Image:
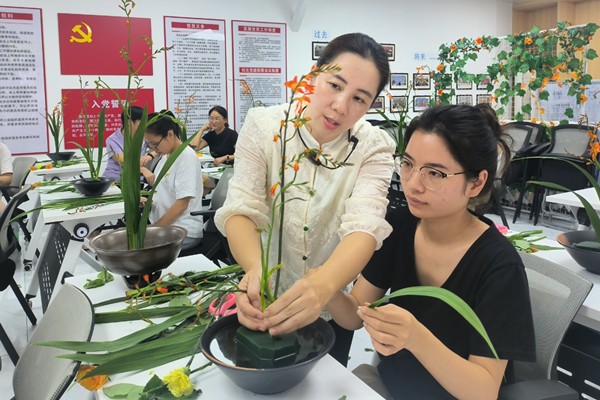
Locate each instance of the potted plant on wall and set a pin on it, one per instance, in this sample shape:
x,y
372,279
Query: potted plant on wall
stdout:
x,y
54,121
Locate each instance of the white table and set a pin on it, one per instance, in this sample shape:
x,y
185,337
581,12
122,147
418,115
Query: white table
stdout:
x,y
61,173
570,200
327,380
79,223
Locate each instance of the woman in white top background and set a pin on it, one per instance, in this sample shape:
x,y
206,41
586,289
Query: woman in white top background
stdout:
x,y
330,236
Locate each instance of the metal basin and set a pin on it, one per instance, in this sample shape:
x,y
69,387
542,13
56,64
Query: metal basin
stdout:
x,y
161,248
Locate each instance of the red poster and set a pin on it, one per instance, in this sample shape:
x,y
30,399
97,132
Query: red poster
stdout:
x,y
92,44
74,122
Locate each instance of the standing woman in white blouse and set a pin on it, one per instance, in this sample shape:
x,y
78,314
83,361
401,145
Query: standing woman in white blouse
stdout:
x,y
330,236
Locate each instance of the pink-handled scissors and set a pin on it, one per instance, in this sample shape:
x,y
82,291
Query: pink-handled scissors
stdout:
x,y
223,306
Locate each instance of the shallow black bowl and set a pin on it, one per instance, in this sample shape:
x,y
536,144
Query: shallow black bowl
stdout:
x,y
88,187
588,259
219,346
61,155
161,247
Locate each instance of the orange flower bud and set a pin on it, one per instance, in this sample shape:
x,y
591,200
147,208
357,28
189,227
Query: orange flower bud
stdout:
x,y
440,67
48,166
528,41
273,189
479,41
296,166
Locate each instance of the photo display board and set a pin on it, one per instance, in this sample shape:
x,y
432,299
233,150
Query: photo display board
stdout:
x,y
195,68
22,81
259,59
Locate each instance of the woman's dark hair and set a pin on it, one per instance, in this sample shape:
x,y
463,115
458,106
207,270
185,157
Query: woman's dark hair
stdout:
x,y
222,111
363,46
136,114
472,135
165,121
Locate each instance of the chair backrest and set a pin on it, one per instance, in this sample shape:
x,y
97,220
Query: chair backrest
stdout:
x,y
7,239
523,134
20,166
220,192
40,374
556,295
569,139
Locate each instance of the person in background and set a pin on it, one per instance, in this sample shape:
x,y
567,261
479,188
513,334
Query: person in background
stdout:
x,y
428,351
180,190
218,136
330,236
115,144
6,169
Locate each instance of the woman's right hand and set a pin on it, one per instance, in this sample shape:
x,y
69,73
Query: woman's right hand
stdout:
x,y
248,303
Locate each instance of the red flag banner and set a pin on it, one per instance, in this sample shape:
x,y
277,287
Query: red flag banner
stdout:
x,y
74,119
92,44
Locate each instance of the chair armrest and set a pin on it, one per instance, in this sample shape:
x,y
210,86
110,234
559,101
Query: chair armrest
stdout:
x,y
540,389
204,213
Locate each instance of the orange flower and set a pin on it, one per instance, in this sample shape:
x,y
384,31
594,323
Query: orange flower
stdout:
x,y
35,184
542,111
32,168
245,86
276,138
440,67
296,166
293,84
528,41
92,383
440,92
555,76
389,96
534,120
583,98
162,290
48,166
273,189
479,41
575,74
453,47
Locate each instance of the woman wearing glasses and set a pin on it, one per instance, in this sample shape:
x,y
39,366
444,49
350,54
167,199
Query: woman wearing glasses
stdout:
x,y
180,190
428,351
218,136
330,236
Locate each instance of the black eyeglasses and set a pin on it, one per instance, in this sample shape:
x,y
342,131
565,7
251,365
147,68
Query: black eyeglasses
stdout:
x,y
155,147
313,155
432,178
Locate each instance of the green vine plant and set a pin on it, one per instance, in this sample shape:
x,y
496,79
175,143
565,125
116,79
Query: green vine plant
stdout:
x,y
554,55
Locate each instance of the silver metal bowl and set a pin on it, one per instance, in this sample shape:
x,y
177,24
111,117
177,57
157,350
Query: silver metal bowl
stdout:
x,y
161,248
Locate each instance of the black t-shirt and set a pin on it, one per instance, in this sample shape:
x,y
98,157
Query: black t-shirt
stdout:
x,y
221,144
490,278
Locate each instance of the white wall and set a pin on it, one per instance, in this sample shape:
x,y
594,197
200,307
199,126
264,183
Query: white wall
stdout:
x,y
414,27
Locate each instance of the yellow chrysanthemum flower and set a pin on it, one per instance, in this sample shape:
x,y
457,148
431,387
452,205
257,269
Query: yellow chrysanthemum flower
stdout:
x,y
178,382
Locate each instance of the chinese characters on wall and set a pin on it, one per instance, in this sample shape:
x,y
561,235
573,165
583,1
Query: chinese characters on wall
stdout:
x,y
196,68
259,58
22,85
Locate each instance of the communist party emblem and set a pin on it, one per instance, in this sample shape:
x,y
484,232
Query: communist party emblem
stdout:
x,y
83,37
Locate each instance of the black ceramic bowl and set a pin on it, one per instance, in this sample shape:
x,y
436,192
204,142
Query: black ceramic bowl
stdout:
x,y
61,155
219,346
92,187
588,259
161,248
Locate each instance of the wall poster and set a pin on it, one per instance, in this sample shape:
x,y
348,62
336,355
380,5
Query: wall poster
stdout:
x,y
22,81
259,59
92,44
195,68
74,122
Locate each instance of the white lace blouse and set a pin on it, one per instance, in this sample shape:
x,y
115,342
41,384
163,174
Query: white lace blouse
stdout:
x,y
346,200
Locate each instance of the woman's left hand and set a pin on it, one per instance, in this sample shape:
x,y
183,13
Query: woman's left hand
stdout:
x,y
300,305
219,160
391,328
144,159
